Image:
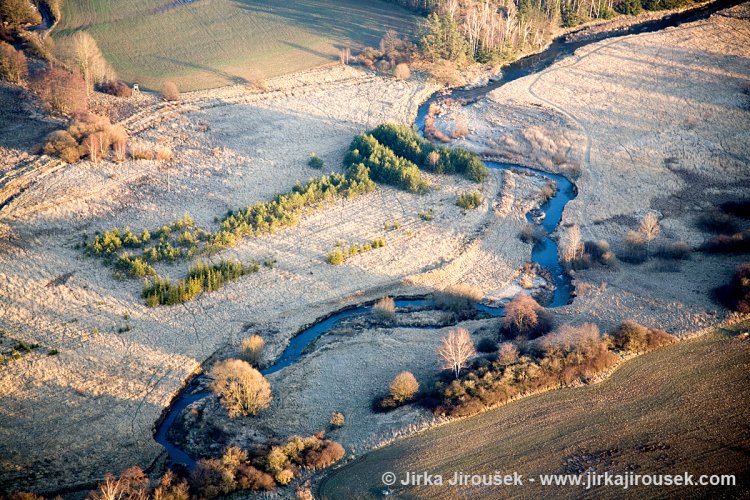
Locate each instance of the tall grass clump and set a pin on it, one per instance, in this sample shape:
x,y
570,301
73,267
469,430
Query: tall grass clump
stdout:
x,y
459,298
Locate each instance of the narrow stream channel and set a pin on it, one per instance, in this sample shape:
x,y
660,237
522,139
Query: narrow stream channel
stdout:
x,y
543,253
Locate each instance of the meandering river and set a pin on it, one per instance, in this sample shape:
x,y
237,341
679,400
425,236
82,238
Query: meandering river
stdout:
x,y
543,253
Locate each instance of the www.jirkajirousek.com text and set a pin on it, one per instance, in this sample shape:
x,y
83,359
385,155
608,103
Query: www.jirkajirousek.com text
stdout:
x,y
589,480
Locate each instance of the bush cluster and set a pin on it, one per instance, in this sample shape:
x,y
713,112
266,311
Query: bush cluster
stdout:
x,y
569,355
116,88
315,162
343,252
88,134
469,201
13,64
632,337
169,243
385,309
60,90
314,452
532,233
385,166
201,277
405,142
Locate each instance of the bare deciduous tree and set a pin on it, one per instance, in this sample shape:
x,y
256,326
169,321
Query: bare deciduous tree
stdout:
x,y
650,228
241,388
571,247
456,350
521,314
81,52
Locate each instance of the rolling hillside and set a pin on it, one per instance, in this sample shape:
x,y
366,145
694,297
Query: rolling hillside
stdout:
x,y
210,43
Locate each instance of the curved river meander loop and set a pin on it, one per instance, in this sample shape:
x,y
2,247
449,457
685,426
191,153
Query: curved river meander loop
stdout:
x,y
543,253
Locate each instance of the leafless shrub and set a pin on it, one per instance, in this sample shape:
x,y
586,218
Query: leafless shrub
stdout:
x,y
119,138
164,154
735,295
729,243
17,13
445,73
141,152
574,352
170,92
60,143
212,479
487,345
507,354
526,281
169,488
403,387
383,66
304,492
385,308
456,350
133,483
634,248
717,221
337,419
324,456
433,159
240,387
401,72
524,317
252,349
115,88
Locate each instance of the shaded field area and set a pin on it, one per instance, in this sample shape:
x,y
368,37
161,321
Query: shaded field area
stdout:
x,y
210,43
679,409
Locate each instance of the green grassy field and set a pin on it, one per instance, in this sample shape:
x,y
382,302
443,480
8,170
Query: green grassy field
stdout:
x,y
209,43
680,409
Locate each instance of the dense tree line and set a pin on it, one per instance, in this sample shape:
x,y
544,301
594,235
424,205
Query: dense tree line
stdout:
x,y
492,30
